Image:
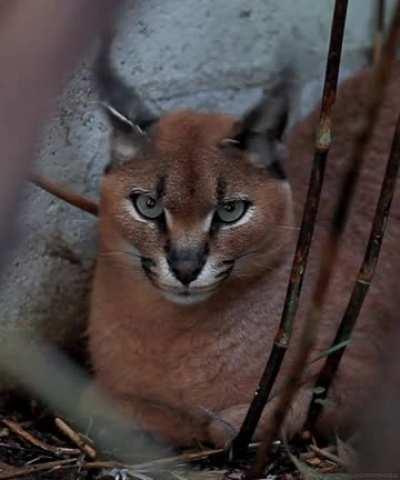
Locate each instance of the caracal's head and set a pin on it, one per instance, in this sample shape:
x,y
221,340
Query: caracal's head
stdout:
x,y
191,201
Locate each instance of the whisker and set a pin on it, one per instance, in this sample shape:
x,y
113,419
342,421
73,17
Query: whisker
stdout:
x,y
123,268
224,273
118,253
244,275
228,262
293,227
284,227
246,254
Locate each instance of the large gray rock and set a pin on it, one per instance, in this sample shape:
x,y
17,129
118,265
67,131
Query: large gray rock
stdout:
x,y
209,54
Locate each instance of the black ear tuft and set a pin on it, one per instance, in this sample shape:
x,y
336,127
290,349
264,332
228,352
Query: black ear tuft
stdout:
x,y
261,129
123,105
128,115
117,120
268,118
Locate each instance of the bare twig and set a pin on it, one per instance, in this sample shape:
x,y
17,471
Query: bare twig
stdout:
x,y
322,147
61,192
184,458
14,472
6,467
364,278
310,455
324,453
76,438
162,462
28,437
19,472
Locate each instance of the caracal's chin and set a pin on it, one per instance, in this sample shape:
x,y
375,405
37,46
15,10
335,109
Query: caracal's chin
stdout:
x,y
187,296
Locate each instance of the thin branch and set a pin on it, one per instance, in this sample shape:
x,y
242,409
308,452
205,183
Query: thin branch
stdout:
x,y
325,454
28,437
76,438
6,467
19,472
364,278
322,146
61,192
153,465
162,462
185,458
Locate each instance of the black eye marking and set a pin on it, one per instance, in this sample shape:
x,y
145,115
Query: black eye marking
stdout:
x,y
167,245
107,168
277,171
161,224
160,187
221,189
224,273
147,265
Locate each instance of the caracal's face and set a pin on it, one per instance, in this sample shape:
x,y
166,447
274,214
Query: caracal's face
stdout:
x,y
191,211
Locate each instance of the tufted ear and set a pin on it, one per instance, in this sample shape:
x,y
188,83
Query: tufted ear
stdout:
x,y
261,129
129,116
127,139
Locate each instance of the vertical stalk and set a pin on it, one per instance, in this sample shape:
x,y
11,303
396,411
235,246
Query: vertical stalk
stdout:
x,y
379,80
363,281
322,146
380,77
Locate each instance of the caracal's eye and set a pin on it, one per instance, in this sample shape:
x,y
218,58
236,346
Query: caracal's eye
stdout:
x,y
147,205
231,212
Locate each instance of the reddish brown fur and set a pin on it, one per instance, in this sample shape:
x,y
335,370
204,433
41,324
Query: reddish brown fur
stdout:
x,y
184,371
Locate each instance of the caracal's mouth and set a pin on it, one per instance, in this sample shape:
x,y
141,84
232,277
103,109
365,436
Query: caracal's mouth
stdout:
x,y
187,296
183,295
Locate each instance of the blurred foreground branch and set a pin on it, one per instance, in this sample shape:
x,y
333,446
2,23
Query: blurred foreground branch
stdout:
x,y
45,372
41,42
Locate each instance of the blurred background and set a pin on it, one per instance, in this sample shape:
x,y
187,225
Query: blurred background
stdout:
x,y
208,54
